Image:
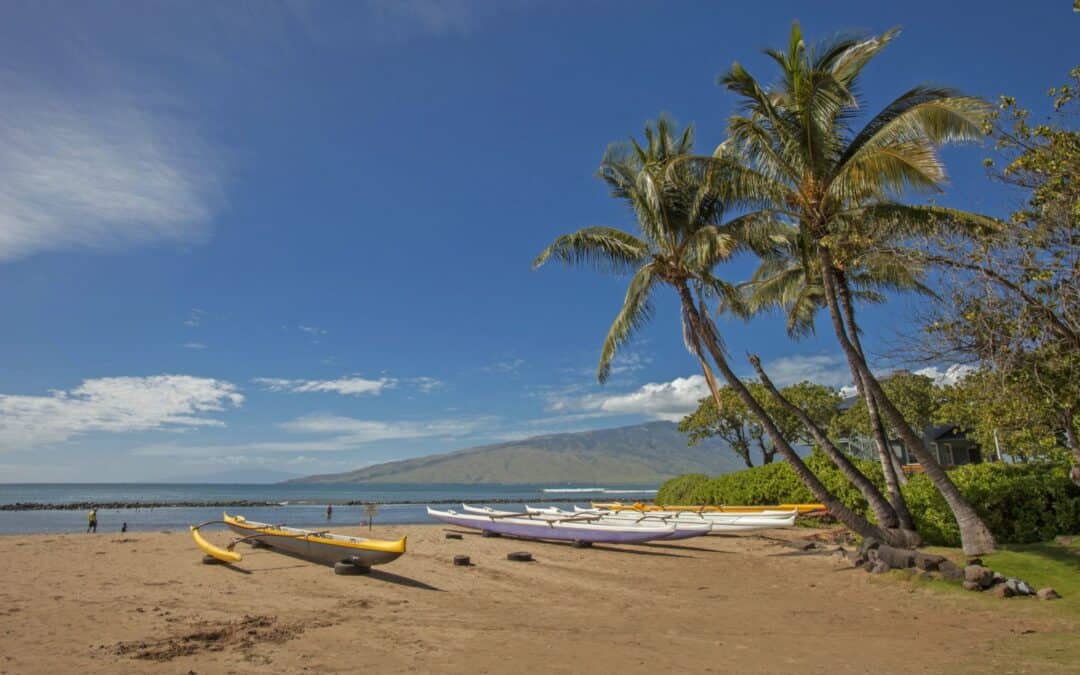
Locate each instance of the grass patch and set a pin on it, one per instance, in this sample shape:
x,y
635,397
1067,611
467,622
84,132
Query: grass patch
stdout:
x,y
1044,564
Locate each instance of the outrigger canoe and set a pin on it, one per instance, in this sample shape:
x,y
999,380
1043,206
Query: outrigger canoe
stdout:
x,y
317,546
718,522
803,509
579,530
684,529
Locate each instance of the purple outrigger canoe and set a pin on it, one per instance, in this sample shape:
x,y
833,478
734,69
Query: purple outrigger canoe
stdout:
x,y
538,527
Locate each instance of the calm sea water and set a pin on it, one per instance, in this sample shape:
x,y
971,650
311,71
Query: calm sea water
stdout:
x,y
303,504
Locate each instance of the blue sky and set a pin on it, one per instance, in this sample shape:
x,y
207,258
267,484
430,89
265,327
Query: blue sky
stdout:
x,y
297,236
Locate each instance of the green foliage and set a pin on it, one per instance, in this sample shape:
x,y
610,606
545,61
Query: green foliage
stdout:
x,y
1020,503
770,484
913,395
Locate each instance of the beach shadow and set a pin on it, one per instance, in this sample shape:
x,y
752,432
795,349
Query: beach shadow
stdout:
x,y
678,547
392,578
233,568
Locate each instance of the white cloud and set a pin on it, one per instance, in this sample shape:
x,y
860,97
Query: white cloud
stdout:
x,y
828,369
357,431
426,384
949,376
114,404
661,400
346,386
194,345
195,318
98,174
314,331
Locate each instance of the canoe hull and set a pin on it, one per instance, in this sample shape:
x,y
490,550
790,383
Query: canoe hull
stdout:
x,y
314,548
541,529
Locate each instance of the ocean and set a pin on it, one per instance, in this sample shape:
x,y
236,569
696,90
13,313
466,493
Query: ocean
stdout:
x,y
298,504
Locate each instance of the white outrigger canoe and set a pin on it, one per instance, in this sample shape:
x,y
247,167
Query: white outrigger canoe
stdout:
x,y
684,529
582,530
719,522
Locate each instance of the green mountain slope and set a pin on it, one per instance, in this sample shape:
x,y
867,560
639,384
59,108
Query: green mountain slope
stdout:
x,y
640,454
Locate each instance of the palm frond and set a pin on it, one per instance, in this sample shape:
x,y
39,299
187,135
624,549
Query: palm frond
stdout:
x,y
635,312
604,248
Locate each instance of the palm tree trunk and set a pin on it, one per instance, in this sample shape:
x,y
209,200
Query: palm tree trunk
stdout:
x,y
1070,440
883,510
893,476
854,521
974,534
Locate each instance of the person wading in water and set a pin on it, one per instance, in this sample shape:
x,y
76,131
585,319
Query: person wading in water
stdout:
x,y
92,525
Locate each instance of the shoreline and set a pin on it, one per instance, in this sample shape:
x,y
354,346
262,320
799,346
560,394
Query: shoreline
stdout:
x,y
247,503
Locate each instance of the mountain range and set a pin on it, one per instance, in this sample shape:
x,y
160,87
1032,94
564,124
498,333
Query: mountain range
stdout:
x,y
640,454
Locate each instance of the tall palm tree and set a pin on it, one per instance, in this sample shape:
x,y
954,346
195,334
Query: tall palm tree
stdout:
x,y
788,278
682,238
793,156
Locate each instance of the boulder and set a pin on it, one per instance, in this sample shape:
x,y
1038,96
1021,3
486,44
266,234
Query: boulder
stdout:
x,y
896,558
998,577
950,571
972,586
927,562
978,574
1048,594
1023,588
1002,591
879,567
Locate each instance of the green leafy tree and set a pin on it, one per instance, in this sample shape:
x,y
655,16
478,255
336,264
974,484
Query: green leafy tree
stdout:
x,y
915,396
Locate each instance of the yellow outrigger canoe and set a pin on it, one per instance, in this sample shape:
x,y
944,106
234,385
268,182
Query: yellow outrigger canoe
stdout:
x,y
803,509
348,555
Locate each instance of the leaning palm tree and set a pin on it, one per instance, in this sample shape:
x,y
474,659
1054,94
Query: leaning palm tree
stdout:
x,y
682,238
788,278
793,156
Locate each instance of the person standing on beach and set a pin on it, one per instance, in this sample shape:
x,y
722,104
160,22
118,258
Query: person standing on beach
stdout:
x,y
92,525
329,511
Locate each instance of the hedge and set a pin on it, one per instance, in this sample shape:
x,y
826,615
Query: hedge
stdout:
x,y
1021,503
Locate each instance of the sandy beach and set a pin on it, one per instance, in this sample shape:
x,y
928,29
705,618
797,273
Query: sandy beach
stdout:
x,y
131,603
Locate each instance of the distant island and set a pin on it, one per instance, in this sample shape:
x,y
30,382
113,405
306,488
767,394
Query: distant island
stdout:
x,y
642,454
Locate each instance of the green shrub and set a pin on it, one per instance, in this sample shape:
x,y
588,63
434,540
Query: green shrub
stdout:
x,y
774,483
1020,503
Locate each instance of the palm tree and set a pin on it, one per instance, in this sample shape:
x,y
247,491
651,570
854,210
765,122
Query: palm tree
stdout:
x,y
682,238
793,157
788,278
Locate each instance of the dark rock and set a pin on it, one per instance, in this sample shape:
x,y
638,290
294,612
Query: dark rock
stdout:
x,y
879,567
927,562
972,586
1048,594
979,575
998,577
519,556
452,535
1002,591
896,558
462,560
950,571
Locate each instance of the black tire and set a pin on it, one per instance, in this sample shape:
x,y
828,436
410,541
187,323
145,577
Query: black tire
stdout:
x,y
520,556
348,569
452,535
489,533
581,544
462,561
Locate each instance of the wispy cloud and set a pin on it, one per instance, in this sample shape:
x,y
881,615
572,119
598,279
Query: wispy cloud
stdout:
x,y
194,345
346,386
505,367
114,404
313,331
99,173
426,385
195,318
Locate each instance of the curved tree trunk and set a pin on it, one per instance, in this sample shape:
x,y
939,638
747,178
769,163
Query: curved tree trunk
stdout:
x,y
854,521
1070,439
974,535
883,510
893,475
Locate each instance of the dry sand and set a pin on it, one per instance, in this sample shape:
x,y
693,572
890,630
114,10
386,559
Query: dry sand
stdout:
x,y
142,602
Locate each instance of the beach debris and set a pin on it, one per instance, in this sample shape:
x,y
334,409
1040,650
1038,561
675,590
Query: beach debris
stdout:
x,y
520,556
1048,594
462,561
453,535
